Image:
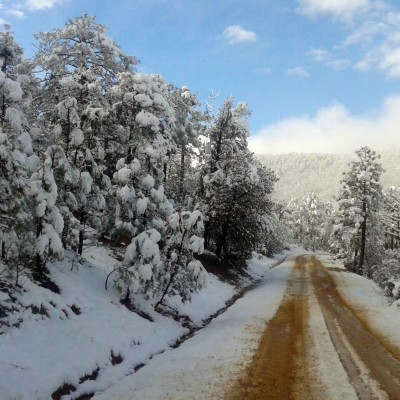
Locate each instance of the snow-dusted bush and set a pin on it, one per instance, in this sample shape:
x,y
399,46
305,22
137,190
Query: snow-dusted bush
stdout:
x,y
387,274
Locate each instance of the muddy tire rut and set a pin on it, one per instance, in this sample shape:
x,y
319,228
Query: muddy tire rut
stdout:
x,y
285,366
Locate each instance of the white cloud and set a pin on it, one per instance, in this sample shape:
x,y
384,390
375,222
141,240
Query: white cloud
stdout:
x,y
325,58
319,55
235,34
337,8
15,13
332,130
42,4
383,39
263,71
298,71
373,33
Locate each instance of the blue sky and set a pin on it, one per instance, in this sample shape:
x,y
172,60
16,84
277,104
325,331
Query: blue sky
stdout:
x,y
318,75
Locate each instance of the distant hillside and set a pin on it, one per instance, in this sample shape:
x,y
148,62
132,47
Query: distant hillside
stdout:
x,y
301,173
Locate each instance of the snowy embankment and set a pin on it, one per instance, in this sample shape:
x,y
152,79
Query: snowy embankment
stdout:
x,y
202,367
84,339
369,301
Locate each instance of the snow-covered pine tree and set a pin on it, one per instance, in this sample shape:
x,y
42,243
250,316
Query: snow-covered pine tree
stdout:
x,y
147,120
142,209
184,274
81,64
391,217
311,221
48,220
181,174
359,201
234,188
16,154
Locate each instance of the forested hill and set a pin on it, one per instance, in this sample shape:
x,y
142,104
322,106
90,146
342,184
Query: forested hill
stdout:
x,y
300,173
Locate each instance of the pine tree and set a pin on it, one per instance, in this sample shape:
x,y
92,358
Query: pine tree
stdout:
x,y
234,188
184,274
189,126
16,153
359,202
147,121
81,65
48,221
311,221
391,217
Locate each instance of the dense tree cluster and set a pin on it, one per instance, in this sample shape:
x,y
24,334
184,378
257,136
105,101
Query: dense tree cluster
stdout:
x,y
309,219
91,150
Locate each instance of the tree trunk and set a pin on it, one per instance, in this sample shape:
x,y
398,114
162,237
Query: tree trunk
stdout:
x,y
38,258
165,173
221,244
3,106
355,260
182,173
81,232
65,232
363,238
392,240
167,288
206,234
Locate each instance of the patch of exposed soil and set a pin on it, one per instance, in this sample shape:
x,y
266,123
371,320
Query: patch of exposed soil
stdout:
x,y
275,369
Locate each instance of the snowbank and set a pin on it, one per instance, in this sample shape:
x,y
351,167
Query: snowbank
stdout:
x,y
369,300
86,338
215,355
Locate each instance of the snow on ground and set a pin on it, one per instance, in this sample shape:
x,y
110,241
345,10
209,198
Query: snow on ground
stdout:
x,y
330,377
206,302
329,261
202,366
45,352
370,300
64,337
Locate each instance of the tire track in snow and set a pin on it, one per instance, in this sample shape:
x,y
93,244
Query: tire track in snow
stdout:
x,y
373,368
316,347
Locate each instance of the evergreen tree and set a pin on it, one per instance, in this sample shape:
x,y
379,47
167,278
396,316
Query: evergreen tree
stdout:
x,y
189,126
311,221
234,188
359,202
16,153
81,65
48,221
391,217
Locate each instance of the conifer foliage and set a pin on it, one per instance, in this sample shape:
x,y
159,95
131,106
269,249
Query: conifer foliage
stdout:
x,y
359,201
91,150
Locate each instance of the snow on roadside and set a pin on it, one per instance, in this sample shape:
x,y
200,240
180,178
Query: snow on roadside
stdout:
x,y
44,352
325,365
207,302
370,300
74,333
202,366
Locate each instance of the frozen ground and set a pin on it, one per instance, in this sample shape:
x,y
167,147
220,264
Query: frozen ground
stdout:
x,y
202,366
368,299
65,338
299,305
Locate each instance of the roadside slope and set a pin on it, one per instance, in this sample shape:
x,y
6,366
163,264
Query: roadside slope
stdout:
x,y
203,366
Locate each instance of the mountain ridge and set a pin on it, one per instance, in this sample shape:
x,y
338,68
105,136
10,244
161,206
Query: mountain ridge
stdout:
x,y
302,173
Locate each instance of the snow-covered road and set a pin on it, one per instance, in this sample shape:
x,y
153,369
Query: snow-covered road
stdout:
x,y
202,367
310,331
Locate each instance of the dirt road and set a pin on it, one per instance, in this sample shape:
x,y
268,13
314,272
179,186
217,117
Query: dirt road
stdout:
x,y
316,337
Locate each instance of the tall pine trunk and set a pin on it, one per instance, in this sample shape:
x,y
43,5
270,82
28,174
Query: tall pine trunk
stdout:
x,y
182,173
363,237
81,231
